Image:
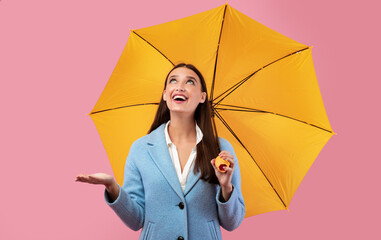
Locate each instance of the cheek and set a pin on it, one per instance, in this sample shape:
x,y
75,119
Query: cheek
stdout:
x,y
199,96
167,93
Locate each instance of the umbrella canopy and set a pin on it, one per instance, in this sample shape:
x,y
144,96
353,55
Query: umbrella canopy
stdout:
x,y
261,84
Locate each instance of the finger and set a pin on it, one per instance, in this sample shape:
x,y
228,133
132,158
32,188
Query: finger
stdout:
x,y
95,179
223,154
229,170
81,179
80,175
87,178
226,156
231,160
219,172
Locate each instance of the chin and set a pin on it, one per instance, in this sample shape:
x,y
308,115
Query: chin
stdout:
x,y
180,111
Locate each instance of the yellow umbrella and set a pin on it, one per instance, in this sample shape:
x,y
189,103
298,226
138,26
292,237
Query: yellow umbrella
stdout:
x,y
262,87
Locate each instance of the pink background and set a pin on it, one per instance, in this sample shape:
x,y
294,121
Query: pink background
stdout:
x,y
57,56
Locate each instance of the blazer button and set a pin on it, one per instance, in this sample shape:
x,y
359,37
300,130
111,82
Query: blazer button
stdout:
x,y
181,206
180,238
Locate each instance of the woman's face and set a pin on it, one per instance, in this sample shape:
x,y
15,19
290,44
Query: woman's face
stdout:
x,y
183,91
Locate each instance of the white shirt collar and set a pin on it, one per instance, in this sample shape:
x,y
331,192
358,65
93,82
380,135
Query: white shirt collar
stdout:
x,y
199,134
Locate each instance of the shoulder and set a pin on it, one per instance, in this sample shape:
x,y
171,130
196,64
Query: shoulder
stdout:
x,y
139,144
225,144
140,141
149,139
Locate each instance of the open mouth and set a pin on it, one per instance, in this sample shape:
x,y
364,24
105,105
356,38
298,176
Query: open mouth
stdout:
x,y
180,98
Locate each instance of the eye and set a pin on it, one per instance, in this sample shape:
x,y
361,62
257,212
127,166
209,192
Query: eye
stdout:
x,y
190,82
172,80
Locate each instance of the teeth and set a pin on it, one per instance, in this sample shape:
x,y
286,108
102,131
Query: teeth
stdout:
x,y
179,98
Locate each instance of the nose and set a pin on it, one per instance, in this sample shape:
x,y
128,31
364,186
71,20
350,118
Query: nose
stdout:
x,y
180,88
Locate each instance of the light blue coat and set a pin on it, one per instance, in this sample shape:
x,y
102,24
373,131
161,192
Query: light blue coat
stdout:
x,y
152,198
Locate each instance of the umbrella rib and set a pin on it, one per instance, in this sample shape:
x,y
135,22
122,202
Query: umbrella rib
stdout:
x,y
134,105
234,87
154,48
215,132
236,137
237,85
246,109
218,47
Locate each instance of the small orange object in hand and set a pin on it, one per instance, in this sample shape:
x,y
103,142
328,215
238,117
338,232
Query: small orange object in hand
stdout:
x,y
221,163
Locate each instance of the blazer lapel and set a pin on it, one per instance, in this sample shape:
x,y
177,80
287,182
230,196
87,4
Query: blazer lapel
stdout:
x,y
192,180
159,152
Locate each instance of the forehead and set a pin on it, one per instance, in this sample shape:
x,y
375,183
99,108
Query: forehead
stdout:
x,y
184,72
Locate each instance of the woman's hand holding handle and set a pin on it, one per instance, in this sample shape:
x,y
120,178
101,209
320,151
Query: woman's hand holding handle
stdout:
x,y
225,177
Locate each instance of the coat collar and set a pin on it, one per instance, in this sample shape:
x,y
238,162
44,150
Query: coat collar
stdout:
x,y
159,152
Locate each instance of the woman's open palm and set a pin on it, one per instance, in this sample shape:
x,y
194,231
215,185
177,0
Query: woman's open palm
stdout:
x,y
101,178
96,178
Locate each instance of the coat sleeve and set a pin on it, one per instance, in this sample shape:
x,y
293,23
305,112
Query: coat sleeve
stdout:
x,y
129,205
231,212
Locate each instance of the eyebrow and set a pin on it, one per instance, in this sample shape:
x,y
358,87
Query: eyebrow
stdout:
x,y
187,77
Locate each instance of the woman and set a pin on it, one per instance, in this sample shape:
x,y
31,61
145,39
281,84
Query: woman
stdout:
x,y
172,188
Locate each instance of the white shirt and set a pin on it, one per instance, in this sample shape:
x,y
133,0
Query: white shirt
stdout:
x,y
182,176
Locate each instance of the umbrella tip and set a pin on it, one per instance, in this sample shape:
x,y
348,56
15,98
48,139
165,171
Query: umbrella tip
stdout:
x,y
131,30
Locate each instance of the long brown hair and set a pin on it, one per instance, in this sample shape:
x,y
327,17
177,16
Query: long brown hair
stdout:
x,y
208,147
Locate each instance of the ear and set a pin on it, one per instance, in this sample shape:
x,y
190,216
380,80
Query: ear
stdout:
x,y
165,95
203,97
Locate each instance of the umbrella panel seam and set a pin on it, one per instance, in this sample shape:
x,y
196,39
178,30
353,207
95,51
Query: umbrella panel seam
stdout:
x,y
154,48
245,109
134,105
218,48
237,85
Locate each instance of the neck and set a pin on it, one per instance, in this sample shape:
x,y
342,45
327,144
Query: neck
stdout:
x,y
182,128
